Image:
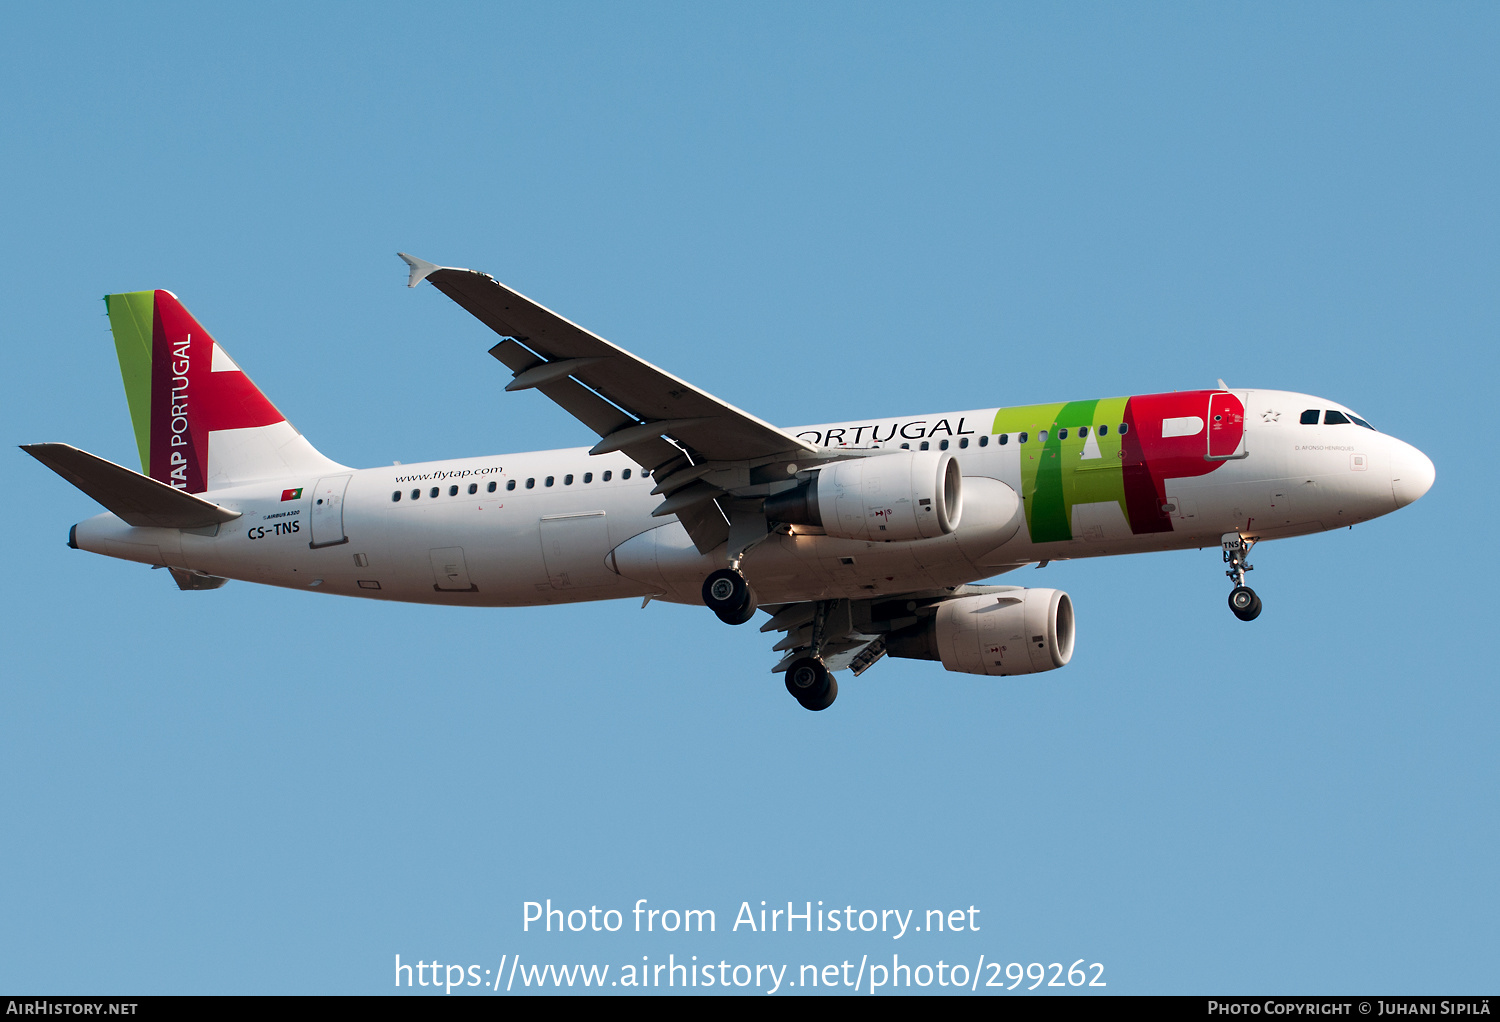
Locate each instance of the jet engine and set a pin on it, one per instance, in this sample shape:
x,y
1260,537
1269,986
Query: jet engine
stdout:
x,y
902,496
1017,631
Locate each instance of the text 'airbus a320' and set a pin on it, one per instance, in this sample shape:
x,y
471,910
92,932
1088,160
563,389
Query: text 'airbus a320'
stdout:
x,y
861,539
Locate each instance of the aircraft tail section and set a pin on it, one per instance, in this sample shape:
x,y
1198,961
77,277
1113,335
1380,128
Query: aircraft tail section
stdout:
x,y
200,424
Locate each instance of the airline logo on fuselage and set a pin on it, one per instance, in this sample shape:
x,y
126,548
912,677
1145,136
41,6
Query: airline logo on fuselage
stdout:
x,y
912,429
1111,451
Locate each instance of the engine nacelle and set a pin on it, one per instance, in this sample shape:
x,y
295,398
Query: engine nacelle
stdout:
x,y
1019,631
902,496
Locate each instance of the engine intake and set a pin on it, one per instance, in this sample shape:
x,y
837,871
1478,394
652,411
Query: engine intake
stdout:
x,y
1019,631
902,496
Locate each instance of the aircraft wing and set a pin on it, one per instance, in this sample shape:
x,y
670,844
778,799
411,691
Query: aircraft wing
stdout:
x,y
836,630
628,401
852,634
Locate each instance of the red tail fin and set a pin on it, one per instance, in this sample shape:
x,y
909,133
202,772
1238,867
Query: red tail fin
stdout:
x,y
199,421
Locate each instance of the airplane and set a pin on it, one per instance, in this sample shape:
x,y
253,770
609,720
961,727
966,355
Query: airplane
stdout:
x,y
860,539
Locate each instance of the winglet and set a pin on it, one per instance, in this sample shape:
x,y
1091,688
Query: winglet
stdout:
x,y
420,268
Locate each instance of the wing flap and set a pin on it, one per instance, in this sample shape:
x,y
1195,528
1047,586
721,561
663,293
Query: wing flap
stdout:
x,y
135,499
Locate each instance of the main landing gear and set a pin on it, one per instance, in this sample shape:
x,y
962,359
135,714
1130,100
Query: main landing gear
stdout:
x,y
812,684
1242,599
728,594
808,678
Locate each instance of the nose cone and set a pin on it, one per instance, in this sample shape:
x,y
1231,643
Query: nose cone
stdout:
x,y
1412,473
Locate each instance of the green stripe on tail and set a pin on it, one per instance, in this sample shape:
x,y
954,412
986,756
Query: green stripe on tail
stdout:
x,y
131,317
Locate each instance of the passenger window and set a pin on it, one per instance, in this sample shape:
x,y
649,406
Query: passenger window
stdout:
x,y
1310,417
1124,428
433,492
550,480
1041,436
531,483
491,487
963,443
415,494
588,477
942,445
925,445
396,496
625,474
453,491
1004,439
984,441
1104,431
568,479
607,475
1333,418
1062,434
473,487
1083,431
1020,438
906,447
510,484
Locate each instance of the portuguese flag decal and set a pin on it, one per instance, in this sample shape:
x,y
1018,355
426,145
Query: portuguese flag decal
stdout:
x,y
292,494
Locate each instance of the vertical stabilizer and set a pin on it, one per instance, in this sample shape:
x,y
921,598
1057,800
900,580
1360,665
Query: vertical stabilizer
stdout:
x,y
200,424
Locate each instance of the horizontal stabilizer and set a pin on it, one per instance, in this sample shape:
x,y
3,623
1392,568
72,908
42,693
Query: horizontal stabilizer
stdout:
x,y
135,499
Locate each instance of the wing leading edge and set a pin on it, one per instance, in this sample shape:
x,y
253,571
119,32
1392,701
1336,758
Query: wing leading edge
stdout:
x,y
630,403
549,350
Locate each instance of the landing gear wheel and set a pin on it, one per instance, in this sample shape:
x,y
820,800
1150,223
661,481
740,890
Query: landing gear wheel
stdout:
x,y
728,595
811,684
826,700
745,614
1244,603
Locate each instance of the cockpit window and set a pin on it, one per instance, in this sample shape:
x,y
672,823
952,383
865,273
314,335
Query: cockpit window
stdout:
x,y
1333,418
1361,422
1310,417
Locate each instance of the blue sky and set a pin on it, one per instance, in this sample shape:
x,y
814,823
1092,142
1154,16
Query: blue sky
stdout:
x,y
816,213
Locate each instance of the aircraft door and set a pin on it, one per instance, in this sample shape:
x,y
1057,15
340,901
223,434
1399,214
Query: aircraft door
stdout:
x,y
450,572
574,547
328,512
1226,427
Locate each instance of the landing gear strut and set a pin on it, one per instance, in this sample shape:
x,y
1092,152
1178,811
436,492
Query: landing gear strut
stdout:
x,y
1242,599
811,684
728,594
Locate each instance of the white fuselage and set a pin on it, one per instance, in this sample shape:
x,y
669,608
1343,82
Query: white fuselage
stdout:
x,y
554,530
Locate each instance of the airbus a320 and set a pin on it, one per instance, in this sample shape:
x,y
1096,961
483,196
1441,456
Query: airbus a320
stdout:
x,y
860,539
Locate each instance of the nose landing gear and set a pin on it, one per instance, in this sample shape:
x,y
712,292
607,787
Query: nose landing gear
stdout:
x,y
1242,599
